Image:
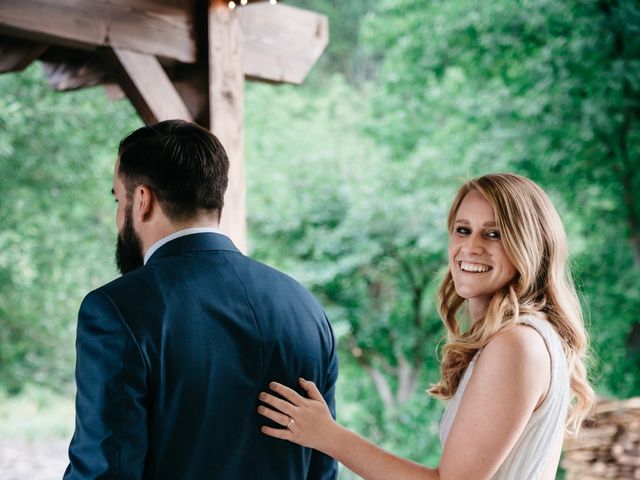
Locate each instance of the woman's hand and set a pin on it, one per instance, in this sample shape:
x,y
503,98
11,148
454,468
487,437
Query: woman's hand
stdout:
x,y
307,421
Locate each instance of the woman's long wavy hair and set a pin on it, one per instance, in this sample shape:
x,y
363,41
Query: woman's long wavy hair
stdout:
x,y
534,240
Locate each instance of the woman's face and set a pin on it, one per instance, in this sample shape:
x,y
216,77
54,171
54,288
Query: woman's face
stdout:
x,y
477,259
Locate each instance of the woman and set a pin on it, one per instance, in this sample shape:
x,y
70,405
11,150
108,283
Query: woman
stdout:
x,y
512,377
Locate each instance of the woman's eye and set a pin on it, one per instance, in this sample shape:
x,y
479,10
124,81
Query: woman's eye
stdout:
x,y
462,230
493,234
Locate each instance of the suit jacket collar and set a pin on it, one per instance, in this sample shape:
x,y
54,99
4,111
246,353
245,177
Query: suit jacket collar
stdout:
x,y
195,242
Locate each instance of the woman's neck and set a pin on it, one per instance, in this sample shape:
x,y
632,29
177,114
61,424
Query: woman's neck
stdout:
x,y
477,308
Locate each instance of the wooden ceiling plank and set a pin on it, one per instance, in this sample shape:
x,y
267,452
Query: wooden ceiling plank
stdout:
x,y
147,86
139,25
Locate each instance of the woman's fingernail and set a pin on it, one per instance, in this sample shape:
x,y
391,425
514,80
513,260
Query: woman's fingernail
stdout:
x,y
273,385
302,380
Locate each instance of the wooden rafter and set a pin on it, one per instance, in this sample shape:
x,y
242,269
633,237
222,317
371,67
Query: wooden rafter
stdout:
x,y
147,85
16,55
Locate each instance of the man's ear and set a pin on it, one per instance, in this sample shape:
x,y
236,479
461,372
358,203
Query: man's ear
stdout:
x,y
145,202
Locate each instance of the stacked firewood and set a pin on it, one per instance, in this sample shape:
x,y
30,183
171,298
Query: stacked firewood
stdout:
x,y
608,445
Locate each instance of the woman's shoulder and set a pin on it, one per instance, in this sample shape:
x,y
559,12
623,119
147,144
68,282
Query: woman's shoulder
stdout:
x,y
518,356
520,341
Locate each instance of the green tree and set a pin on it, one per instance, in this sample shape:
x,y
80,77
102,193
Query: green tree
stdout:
x,y
56,162
548,89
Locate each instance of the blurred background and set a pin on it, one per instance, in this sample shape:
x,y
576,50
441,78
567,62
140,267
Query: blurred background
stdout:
x,y
349,181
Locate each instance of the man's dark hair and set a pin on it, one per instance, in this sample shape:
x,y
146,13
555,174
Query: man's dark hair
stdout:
x,y
184,164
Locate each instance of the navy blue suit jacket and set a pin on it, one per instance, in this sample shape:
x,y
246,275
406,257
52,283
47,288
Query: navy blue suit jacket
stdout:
x,y
171,358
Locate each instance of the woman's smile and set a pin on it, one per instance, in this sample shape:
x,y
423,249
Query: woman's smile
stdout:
x,y
472,267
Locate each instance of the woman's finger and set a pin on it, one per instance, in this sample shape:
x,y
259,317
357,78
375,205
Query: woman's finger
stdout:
x,y
282,433
278,417
286,392
277,403
311,389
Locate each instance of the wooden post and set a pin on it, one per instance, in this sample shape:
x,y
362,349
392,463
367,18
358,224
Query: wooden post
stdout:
x,y
226,96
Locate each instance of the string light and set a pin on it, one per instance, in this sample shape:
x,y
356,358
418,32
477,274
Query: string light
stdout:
x,y
233,5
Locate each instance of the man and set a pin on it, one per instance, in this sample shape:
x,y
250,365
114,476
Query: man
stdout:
x,y
171,356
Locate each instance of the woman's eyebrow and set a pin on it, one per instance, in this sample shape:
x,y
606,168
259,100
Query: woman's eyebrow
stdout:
x,y
467,222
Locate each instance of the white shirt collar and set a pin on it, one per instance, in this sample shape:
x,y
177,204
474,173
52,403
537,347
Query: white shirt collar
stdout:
x,y
180,233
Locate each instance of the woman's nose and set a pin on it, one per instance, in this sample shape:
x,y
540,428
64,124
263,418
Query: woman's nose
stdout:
x,y
474,245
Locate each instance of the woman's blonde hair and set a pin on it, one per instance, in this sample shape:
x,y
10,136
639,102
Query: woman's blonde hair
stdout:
x,y
534,240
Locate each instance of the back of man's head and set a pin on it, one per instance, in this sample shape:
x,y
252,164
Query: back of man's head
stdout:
x,y
184,164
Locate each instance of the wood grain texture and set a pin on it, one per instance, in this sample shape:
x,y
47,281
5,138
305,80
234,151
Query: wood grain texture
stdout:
x,y
153,27
281,43
608,445
147,86
226,97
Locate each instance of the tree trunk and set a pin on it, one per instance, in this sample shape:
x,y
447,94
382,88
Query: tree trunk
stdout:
x,y
408,375
382,386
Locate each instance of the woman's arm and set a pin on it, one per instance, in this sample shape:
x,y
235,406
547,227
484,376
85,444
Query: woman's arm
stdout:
x,y
509,381
311,425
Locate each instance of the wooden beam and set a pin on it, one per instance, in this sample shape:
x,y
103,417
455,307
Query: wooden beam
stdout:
x,y
281,43
147,86
69,69
17,54
226,96
158,28
114,92
191,82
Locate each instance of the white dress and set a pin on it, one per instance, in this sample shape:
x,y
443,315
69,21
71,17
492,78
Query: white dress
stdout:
x,y
529,455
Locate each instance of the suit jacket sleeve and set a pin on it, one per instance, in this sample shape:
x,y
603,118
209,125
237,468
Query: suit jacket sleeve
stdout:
x,y
322,466
110,438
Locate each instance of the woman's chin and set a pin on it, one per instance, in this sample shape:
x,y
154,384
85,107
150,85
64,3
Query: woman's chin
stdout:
x,y
464,293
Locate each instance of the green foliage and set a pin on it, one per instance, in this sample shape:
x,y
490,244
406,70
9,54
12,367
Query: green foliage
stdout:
x,y
548,89
56,160
343,55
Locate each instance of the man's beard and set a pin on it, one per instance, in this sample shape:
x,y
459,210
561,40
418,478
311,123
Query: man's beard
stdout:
x,y
129,247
